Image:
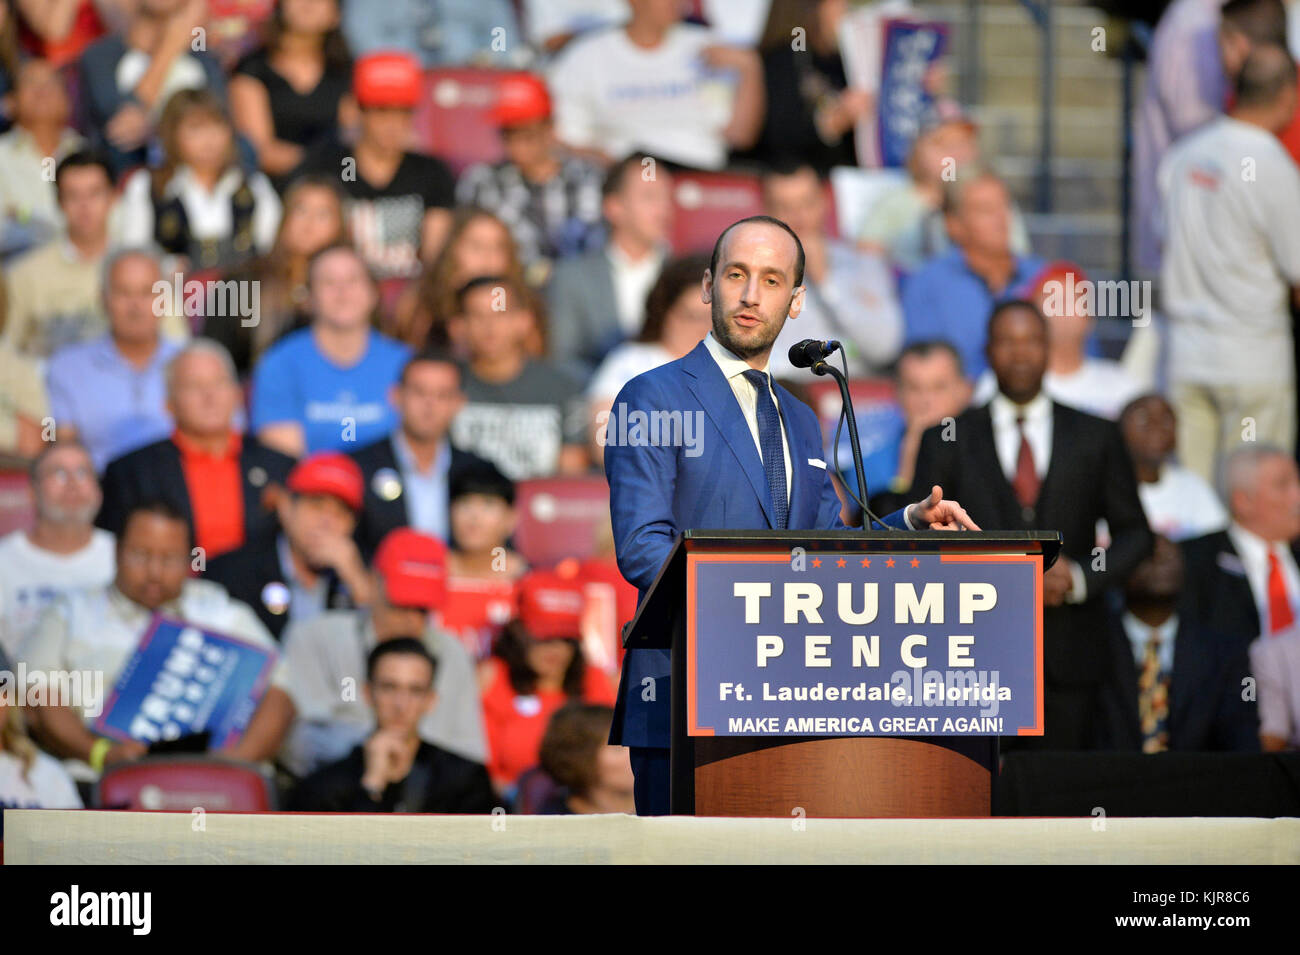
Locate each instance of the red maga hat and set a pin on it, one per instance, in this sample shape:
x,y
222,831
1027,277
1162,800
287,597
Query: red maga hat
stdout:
x,y
328,473
414,569
521,98
551,604
387,80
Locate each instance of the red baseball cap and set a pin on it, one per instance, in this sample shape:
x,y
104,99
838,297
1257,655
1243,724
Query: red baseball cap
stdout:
x,y
413,567
328,473
387,80
551,604
521,98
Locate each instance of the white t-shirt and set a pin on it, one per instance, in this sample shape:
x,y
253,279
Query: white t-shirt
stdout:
x,y
1230,203
622,365
46,786
1181,505
31,579
618,97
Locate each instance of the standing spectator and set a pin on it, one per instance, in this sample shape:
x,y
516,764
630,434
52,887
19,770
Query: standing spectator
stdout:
x,y
23,404
127,78
40,133
213,476
407,474
438,32
285,96
848,293
1231,199
952,295
110,391
326,387
199,203
1179,504
59,30
62,552
593,776
550,199
312,564
1275,664
597,300
524,415
312,220
399,202
1024,461
536,668
658,85
394,770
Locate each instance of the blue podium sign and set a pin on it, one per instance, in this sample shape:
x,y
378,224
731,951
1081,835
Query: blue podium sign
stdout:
x,y
841,643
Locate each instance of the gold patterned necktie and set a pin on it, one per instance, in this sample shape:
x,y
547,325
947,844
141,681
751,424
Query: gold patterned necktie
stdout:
x,y
1153,699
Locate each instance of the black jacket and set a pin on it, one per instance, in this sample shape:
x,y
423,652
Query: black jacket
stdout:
x,y
253,574
439,782
1216,591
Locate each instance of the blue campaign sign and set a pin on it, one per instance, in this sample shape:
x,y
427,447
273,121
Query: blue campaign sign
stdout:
x,y
184,680
910,47
837,643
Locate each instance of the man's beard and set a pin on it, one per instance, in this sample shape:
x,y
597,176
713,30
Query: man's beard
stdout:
x,y
722,331
66,517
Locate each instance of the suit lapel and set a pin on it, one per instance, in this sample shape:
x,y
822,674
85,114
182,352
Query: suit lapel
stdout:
x,y
174,477
1185,680
1060,436
985,450
1126,677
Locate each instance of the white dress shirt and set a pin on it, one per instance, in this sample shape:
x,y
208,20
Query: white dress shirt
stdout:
x,y
733,369
632,281
1253,551
1139,635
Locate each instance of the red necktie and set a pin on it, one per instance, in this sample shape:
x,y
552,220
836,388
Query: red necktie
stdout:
x,y
1026,481
1280,614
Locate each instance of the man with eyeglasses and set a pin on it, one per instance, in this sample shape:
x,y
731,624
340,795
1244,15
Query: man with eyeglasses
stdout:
x,y
98,630
62,552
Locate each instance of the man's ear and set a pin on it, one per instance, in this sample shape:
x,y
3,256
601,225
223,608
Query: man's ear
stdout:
x,y
706,287
796,302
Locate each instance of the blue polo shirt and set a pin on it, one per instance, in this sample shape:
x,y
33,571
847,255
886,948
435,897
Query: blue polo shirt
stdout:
x,y
339,408
114,406
945,300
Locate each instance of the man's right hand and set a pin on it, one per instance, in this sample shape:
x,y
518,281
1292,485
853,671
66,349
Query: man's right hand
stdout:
x,y
383,757
125,752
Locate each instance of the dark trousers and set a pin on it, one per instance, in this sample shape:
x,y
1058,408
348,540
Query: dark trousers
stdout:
x,y
650,767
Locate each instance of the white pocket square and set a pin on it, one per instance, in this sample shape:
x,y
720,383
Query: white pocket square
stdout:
x,y
817,463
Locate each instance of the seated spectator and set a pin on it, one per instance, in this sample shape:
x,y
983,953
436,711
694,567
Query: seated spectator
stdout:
x,y
29,779
524,415
478,243
399,202
40,132
394,770
550,24
482,571
23,404
98,630
1179,504
312,564
953,294
111,391
537,666
325,659
236,28
59,30
54,293
199,204
597,299
63,551
1244,581
848,294
326,387
550,198
312,221
594,776
659,85
215,477
1175,685
406,475
676,320
446,33
285,95
127,78
1275,664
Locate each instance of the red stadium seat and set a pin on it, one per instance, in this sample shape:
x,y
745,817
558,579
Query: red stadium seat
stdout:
x,y
561,517
16,510
706,203
453,120
871,396
183,783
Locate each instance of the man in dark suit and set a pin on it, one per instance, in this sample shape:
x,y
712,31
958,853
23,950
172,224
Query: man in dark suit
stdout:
x,y
747,457
1022,461
207,471
1245,581
1174,684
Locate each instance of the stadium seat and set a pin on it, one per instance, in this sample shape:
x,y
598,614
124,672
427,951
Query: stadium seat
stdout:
x,y
453,120
872,397
183,783
16,511
705,203
560,517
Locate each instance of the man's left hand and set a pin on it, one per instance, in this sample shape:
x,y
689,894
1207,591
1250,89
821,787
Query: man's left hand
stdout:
x,y
940,515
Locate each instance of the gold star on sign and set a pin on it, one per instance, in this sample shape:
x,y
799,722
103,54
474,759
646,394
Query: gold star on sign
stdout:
x,y
915,562
817,561
889,562
866,562
841,562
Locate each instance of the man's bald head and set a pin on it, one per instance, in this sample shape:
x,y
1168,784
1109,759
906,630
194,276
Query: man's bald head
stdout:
x,y
1267,76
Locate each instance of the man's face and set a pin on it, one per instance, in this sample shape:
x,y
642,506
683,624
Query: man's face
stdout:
x,y
1234,47
388,128
428,399
930,388
982,221
40,96
86,199
1160,576
643,207
1017,353
66,489
480,522
660,13
153,560
1273,510
390,620
129,298
754,290
1149,430
203,396
798,201
494,324
527,144
401,692
314,523
342,295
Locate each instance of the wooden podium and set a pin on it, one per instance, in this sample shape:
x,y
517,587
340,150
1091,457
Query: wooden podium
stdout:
x,y
824,775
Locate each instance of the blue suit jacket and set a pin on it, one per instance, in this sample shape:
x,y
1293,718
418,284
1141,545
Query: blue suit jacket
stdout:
x,y
718,483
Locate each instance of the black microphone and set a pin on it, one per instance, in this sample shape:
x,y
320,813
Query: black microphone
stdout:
x,y
809,352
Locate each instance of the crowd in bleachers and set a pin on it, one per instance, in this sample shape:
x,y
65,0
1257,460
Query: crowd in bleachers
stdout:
x,y
312,309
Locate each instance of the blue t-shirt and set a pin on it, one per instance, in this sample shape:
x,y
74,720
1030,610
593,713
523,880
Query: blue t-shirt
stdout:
x,y
340,409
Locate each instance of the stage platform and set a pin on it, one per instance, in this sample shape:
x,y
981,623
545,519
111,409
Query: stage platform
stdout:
x,y
88,837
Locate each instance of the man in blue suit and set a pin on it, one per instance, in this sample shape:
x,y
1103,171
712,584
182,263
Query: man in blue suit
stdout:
x,y
747,455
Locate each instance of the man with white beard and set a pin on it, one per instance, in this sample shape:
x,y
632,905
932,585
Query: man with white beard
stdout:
x,y
63,552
